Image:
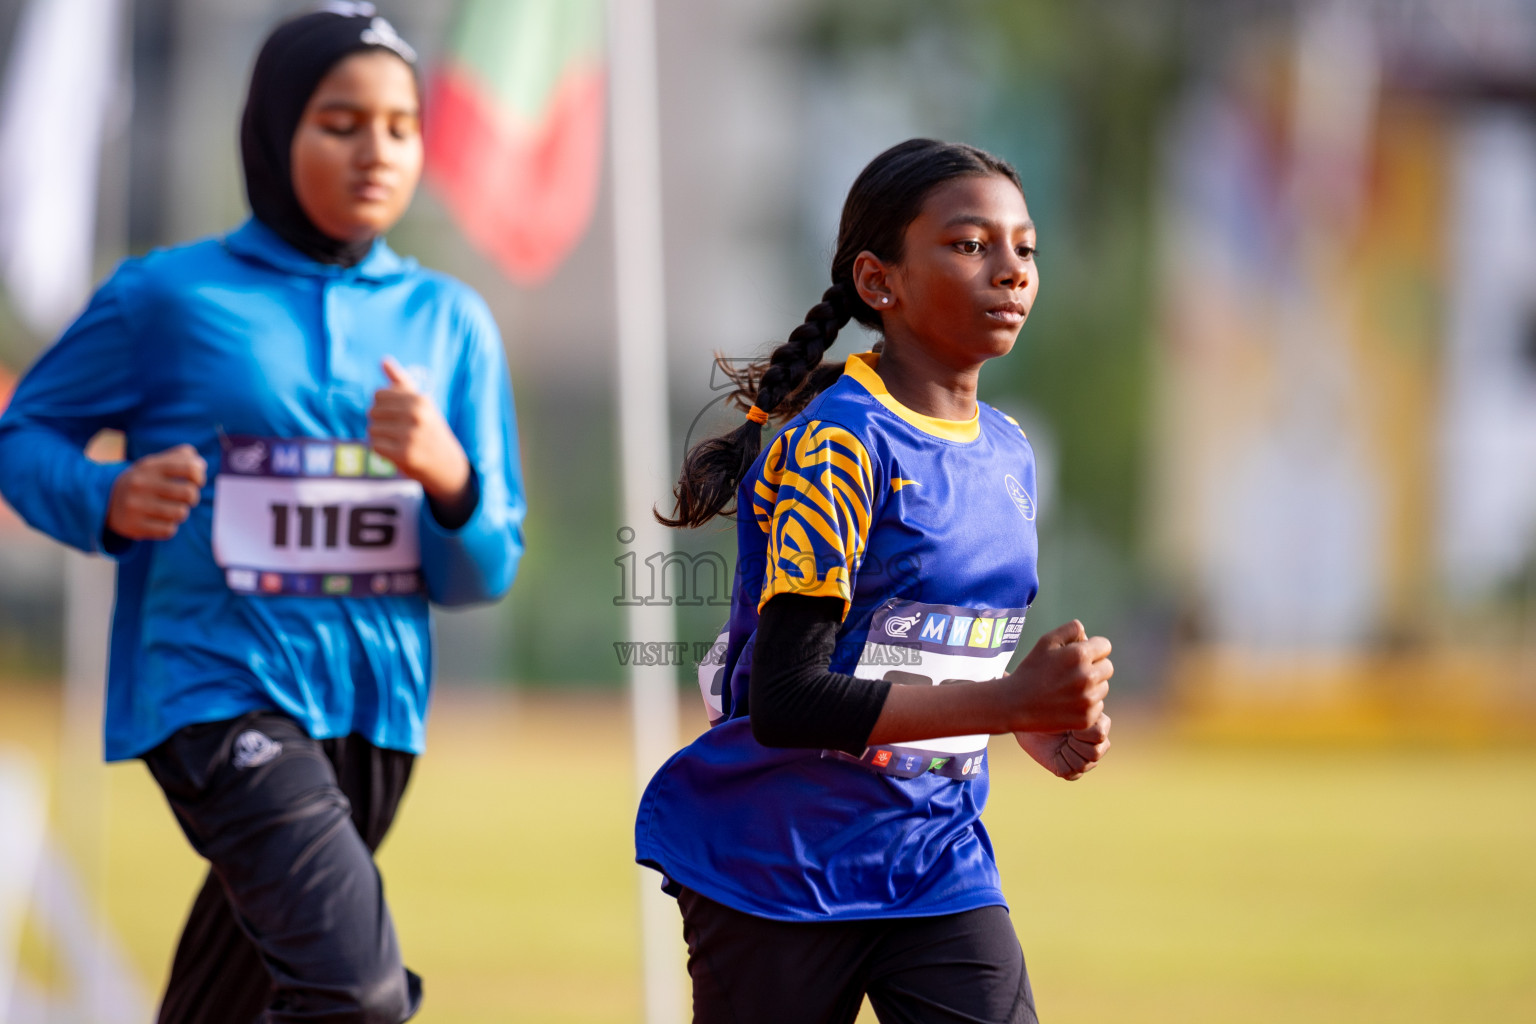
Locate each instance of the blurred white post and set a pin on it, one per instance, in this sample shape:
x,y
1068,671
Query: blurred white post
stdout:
x,y
89,585
22,819
61,82
64,104
643,444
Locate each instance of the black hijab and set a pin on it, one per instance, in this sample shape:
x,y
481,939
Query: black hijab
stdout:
x,y
293,60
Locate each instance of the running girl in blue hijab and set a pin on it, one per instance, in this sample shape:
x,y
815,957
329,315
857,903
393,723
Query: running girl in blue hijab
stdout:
x,y
320,443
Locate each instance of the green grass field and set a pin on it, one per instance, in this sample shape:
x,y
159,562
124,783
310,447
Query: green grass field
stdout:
x,y
1184,881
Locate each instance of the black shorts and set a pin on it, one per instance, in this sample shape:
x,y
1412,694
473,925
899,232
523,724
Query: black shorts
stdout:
x,y
291,924
966,967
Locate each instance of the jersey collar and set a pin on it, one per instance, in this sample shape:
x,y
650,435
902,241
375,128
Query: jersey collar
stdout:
x,y
861,367
255,241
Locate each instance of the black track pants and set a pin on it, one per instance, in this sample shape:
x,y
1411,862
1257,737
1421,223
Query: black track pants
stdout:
x,y
291,924
956,968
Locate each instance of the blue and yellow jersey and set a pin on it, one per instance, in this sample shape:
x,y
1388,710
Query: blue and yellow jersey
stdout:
x,y
925,529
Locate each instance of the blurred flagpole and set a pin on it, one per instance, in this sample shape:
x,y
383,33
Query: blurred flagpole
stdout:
x,y
54,116
641,392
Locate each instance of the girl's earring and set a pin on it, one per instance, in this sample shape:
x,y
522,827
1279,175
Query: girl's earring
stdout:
x,y
884,299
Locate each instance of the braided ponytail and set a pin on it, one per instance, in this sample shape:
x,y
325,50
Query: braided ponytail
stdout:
x,y
884,199
780,389
714,468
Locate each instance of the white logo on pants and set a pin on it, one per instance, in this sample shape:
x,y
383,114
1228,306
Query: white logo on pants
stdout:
x,y
252,749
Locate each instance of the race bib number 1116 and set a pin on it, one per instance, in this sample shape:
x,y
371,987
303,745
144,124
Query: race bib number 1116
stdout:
x,y
315,517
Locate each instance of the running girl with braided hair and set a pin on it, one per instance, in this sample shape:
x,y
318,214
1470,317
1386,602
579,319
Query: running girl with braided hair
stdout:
x,y
823,837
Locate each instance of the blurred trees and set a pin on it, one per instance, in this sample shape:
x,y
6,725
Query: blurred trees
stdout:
x,y
1075,94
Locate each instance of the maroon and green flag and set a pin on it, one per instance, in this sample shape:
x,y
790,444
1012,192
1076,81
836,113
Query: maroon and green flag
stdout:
x,y
514,128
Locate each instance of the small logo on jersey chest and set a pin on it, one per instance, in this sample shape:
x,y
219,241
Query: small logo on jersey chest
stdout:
x,y
1020,496
248,458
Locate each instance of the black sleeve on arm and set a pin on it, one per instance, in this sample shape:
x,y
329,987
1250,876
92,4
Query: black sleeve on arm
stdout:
x,y
794,700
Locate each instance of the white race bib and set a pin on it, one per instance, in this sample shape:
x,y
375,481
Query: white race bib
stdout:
x,y
930,645
315,517
712,680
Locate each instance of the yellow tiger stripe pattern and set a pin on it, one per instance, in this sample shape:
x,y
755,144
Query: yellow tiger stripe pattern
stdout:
x,y
814,499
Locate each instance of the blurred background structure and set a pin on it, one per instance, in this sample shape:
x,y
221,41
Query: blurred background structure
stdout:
x,y
1281,380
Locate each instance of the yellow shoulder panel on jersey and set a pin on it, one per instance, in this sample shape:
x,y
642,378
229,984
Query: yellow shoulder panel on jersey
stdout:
x,y
814,499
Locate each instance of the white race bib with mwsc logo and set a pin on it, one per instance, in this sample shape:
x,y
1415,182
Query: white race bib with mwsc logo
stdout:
x,y
315,517
931,645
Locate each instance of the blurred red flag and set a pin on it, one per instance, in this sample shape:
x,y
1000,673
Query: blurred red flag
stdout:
x,y
514,128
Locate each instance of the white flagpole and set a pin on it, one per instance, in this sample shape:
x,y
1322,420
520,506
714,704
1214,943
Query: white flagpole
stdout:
x,y
54,112
23,827
641,392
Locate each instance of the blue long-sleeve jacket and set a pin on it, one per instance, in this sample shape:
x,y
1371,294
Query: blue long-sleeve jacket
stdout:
x,y
244,336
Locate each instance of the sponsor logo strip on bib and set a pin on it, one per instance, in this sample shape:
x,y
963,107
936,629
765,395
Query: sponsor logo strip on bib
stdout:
x,y
315,517
909,762
333,584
